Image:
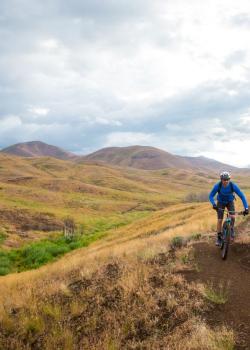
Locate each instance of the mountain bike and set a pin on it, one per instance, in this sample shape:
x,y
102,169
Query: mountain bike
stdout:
x,y
226,232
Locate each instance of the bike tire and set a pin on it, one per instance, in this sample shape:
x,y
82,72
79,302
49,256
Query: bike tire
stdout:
x,y
225,244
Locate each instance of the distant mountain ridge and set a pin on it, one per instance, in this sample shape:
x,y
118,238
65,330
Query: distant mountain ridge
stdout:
x,y
38,149
139,157
151,158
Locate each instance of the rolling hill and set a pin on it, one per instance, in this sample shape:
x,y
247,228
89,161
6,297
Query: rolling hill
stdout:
x,y
37,193
38,149
151,158
138,157
122,288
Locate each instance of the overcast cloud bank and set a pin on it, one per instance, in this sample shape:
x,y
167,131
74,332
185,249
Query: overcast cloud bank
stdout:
x,y
84,75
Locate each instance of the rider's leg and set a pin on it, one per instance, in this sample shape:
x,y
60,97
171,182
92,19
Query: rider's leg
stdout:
x,y
219,234
219,226
220,214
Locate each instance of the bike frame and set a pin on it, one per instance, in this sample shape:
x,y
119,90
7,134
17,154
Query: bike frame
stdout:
x,y
226,234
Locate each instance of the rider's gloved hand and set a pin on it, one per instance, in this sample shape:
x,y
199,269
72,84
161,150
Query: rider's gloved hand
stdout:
x,y
215,207
246,212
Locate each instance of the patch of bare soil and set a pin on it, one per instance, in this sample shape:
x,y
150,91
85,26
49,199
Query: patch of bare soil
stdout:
x,y
25,220
234,273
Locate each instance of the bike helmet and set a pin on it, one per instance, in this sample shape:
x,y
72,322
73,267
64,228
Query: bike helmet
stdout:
x,y
225,175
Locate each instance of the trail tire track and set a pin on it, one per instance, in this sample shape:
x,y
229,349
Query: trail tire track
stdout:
x,y
234,273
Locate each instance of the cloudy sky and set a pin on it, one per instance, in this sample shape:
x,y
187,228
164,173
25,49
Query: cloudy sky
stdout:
x,y
87,74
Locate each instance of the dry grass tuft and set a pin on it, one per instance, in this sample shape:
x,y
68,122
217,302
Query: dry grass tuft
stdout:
x,y
127,302
215,294
197,336
122,291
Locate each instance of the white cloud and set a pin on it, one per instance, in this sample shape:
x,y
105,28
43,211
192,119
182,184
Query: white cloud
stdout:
x,y
49,44
174,74
8,123
39,111
234,152
173,127
128,139
106,121
218,130
245,119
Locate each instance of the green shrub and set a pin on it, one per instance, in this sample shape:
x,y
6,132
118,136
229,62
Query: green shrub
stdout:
x,y
5,264
40,253
74,245
2,237
217,295
177,242
196,197
195,237
34,326
4,270
185,259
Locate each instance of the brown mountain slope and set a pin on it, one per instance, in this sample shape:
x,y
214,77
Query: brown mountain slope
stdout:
x,y
38,149
139,157
151,158
38,192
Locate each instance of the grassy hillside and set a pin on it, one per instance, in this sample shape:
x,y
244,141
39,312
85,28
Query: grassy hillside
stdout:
x,y
122,292
37,195
121,288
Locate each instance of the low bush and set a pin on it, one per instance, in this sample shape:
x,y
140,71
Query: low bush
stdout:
x,y
177,242
2,237
39,253
196,197
217,295
5,263
195,237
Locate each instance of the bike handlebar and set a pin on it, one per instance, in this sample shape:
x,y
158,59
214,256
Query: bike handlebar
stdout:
x,y
232,212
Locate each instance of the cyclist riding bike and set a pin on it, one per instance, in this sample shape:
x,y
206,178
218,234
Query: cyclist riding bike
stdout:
x,y
225,199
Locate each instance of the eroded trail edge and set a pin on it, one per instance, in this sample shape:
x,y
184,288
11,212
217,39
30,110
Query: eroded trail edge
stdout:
x,y
233,277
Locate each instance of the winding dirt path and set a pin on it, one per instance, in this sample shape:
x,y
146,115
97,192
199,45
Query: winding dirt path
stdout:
x,y
234,275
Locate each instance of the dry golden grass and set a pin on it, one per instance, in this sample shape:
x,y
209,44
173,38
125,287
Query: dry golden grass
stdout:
x,y
87,192
130,249
147,236
43,301
199,336
125,302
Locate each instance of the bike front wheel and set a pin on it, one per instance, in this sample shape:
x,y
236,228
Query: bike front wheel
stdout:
x,y
225,243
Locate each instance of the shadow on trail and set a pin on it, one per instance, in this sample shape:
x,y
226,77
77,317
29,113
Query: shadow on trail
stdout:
x,y
234,273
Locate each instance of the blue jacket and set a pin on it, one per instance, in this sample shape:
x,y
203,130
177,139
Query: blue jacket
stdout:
x,y
225,196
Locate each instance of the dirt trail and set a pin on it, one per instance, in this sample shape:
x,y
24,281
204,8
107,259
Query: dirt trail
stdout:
x,y
234,274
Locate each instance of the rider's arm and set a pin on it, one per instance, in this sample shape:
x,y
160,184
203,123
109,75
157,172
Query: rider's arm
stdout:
x,y
241,195
213,193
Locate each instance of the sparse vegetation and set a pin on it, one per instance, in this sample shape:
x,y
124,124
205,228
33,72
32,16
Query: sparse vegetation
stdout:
x,y
195,237
177,242
122,292
216,294
2,237
37,254
5,263
196,197
126,303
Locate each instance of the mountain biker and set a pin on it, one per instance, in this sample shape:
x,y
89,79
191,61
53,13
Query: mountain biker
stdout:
x,y
225,199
